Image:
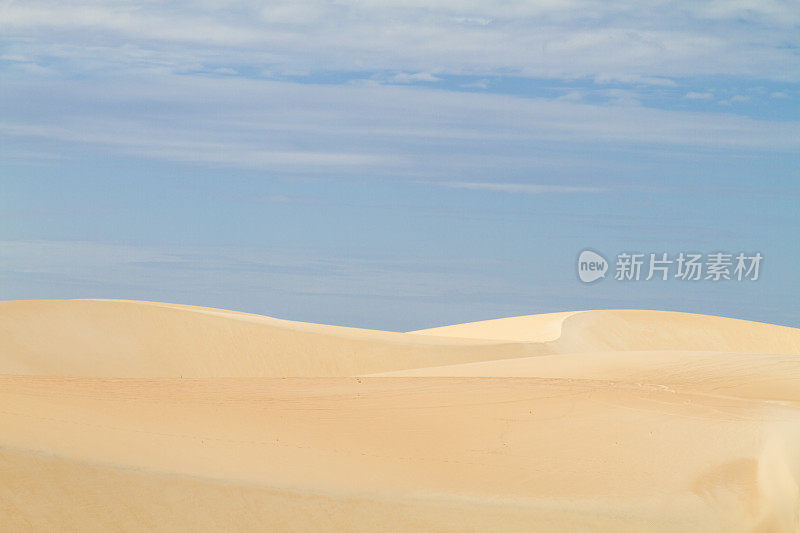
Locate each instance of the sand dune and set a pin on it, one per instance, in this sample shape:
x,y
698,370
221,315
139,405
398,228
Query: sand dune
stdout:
x,y
768,376
119,415
630,330
117,338
531,328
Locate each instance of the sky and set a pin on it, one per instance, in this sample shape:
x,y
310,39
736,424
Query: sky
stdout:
x,y
398,164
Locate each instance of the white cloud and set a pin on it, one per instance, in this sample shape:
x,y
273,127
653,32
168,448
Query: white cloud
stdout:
x,y
520,188
604,78
404,77
698,96
375,130
479,21
627,42
779,12
735,99
225,71
183,145
478,84
572,96
621,97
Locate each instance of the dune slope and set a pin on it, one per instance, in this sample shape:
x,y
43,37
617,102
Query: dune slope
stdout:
x,y
133,416
630,330
117,338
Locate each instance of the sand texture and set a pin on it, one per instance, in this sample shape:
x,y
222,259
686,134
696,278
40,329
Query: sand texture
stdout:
x,y
139,416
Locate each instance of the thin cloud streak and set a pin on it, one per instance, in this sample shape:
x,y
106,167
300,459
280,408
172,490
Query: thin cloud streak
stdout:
x,y
634,42
521,188
387,130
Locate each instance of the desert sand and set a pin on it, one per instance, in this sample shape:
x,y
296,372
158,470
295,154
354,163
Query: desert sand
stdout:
x,y
140,416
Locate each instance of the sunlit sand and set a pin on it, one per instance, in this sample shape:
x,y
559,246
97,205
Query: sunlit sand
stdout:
x,y
122,415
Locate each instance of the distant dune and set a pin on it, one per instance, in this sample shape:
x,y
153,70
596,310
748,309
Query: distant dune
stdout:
x,y
116,338
139,416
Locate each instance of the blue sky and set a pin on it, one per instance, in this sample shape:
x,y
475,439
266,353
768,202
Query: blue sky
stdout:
x,y
395,165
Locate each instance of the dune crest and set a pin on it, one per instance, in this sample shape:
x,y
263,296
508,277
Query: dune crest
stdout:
x,y
138,415
120,338
529,328
613,330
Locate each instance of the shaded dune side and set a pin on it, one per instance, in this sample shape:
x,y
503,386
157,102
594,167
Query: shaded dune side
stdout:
x,y
117,338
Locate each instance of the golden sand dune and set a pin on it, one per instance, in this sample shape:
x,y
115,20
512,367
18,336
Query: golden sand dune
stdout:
x,y
589,421
118,338
630,330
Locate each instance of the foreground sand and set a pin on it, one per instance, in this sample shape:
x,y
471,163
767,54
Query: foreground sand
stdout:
x,y
119,415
